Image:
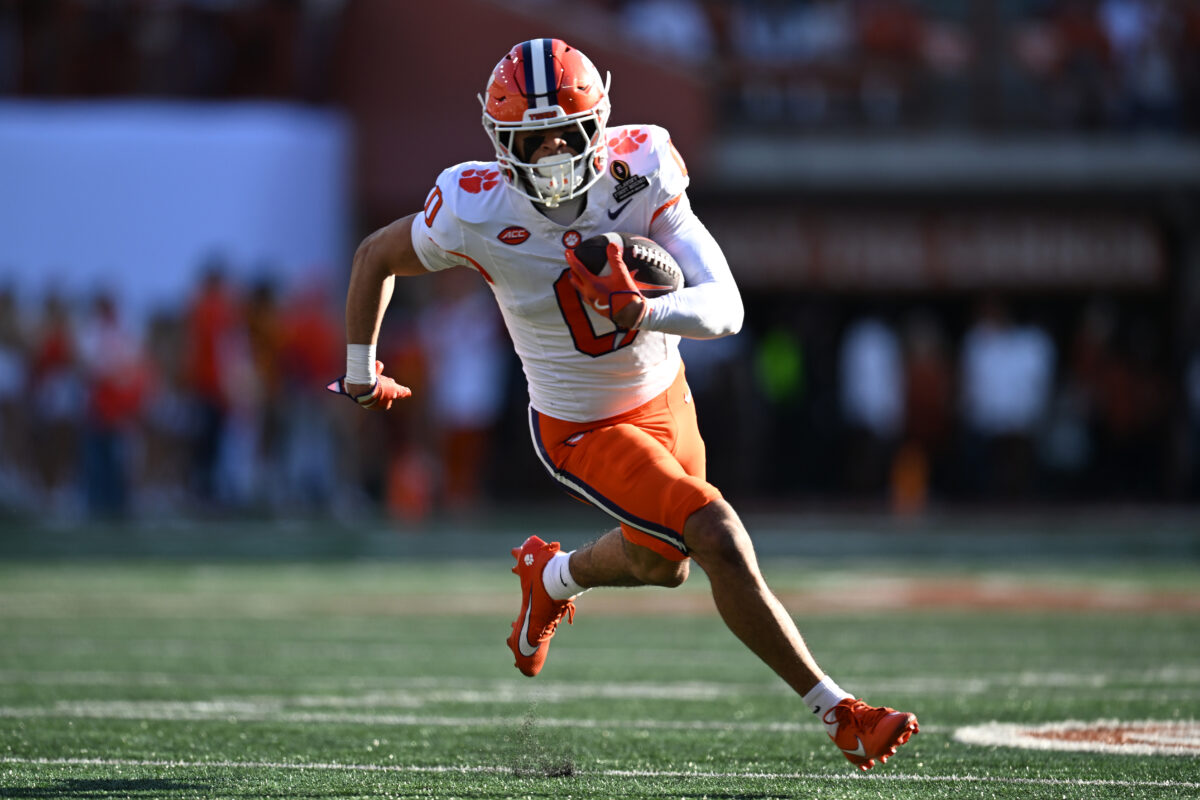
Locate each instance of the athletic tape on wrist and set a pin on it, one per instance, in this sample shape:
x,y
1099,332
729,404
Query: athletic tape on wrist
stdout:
x,y
360,364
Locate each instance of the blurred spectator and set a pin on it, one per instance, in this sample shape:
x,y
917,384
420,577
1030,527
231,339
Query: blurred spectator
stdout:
x,y
265,343
1085,88
210,328
1131,415
1192,395
54,432
1007,374
1067,443
923,461
680,29
405,441
940,94
791,59
13,404
114,373
169,421
781,378
1144,36
890,35
872,401
312,450
1070,445
239,469
463,342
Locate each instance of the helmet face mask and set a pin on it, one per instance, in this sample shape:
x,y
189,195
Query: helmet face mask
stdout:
x,y
543,85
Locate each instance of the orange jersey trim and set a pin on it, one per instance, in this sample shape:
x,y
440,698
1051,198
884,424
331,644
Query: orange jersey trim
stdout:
x,y
678,158
665,206
475,264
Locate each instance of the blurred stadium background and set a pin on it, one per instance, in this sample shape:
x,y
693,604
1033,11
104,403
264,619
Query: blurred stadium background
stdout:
x,y
968,236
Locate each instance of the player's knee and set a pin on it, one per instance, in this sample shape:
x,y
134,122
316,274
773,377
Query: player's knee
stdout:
x,y
666,573
715,535
654,570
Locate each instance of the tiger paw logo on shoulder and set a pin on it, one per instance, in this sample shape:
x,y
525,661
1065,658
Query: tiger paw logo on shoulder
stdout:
x,y
628,141
478,180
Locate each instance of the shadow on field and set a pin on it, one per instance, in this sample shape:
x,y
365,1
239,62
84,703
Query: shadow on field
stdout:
x,y
104,787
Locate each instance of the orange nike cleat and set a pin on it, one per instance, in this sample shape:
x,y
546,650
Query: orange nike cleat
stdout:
x,y
540,613
865,733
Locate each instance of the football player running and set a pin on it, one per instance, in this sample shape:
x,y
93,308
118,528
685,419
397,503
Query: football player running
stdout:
x,y
610,413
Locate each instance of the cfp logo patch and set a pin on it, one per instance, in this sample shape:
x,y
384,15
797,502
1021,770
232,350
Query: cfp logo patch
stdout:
x,y
628,184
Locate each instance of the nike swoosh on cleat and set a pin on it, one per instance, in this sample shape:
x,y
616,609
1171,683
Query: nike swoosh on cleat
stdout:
x,y
523,639
858,751
613,213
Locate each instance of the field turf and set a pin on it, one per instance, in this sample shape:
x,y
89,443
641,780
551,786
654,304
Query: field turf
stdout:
x,y
170,677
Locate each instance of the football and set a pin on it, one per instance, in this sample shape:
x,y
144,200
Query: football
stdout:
x,y
653,269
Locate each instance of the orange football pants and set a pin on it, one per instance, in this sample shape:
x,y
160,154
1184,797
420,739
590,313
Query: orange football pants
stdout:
x,y
644,467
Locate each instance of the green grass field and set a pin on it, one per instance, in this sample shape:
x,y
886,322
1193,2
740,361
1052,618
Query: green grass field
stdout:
x,y
177,678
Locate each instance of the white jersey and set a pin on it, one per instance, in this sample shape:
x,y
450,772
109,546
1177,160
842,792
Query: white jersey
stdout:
x,y
578,366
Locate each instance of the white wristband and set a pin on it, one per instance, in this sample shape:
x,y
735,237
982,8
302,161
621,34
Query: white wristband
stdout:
x,y
360,364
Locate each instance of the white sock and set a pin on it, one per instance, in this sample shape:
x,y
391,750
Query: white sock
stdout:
x,y
556,577
824,696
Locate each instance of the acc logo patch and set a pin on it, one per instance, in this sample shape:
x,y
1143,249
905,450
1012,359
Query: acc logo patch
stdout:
x,y
513,235
571,239
478,180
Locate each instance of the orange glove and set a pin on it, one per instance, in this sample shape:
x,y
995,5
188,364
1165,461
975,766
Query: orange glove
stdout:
x,y
385,391
607,294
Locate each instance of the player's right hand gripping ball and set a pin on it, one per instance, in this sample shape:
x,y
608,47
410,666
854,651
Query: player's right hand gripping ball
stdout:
x,y
611,269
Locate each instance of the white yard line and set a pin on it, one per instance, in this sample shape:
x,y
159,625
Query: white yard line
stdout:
x,y
405,692
380,691
614,773
272,711
249,711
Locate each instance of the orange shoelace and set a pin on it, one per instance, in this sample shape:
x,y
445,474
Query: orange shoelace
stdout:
x,y
569,611
855,712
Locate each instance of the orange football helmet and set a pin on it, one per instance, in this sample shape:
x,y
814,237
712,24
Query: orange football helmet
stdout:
x,y
542,84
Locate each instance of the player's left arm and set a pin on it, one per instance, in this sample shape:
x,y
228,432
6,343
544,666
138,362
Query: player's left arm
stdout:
x,y
379,259
709,305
